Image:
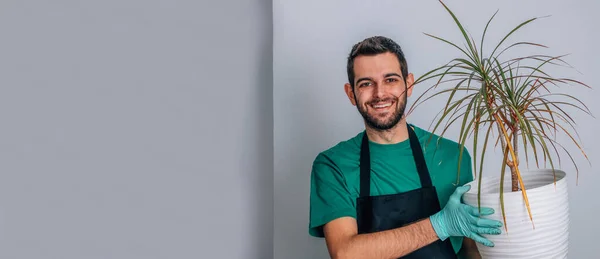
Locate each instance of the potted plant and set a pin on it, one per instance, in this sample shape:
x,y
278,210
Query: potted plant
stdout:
x,y
510,102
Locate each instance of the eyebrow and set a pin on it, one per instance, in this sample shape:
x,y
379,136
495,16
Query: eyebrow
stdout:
x,y
368,78
392,74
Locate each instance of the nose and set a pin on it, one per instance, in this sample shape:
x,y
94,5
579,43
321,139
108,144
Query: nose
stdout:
x,y
379,90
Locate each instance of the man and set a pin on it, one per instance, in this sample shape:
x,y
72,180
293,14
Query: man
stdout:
x,y
388,192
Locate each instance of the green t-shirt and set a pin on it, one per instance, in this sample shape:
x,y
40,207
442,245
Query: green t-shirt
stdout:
x,y
335,176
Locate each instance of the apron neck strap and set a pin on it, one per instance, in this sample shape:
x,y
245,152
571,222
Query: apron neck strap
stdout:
x,y
419,158
365,163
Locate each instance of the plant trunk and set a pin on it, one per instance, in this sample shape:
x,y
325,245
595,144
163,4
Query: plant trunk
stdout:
x,y
514,164
514,178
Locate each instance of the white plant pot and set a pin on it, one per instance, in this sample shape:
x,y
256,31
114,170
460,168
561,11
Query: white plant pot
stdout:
x,y
550,211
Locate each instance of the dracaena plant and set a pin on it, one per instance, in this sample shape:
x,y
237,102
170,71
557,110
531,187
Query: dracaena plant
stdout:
x,y
508,101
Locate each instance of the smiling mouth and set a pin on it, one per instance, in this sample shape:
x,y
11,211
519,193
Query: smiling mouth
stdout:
x,y
382,105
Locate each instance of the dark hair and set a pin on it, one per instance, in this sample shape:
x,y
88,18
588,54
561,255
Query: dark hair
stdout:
x,y
373,46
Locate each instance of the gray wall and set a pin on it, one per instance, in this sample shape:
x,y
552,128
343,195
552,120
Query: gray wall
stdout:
x,y
151,129
136,129
312,113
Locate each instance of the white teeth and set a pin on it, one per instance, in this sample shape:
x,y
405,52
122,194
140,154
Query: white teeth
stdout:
x,y
382,105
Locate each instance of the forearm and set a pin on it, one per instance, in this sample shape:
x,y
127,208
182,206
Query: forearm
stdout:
x,y
389,243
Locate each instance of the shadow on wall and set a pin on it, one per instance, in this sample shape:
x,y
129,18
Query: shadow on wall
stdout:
x,y
301,133
260,237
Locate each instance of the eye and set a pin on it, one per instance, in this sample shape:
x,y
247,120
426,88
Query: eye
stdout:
x,y
391,80
365,84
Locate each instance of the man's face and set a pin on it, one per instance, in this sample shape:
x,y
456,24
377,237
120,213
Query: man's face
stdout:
x,y
379,91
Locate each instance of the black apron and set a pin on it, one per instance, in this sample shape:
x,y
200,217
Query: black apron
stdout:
x,y
384,212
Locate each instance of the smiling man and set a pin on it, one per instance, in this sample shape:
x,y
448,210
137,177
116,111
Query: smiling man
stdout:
x,y
388,192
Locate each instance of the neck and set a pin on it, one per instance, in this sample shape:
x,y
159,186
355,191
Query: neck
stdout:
x,y
394,135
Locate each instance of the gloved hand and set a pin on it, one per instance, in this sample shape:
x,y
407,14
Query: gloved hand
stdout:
x,y
459,219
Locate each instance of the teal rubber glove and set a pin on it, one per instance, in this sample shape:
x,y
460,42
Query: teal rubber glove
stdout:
x,y
459,219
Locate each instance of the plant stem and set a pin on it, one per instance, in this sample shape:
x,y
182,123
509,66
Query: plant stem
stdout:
x,y
514,164
512,153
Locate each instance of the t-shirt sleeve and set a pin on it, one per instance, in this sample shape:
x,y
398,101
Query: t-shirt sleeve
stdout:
x,y
329,195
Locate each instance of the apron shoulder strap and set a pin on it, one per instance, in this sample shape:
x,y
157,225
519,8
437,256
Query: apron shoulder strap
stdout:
x,y
419,158
365,167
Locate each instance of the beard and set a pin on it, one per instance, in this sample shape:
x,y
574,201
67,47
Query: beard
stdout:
x,y
389,120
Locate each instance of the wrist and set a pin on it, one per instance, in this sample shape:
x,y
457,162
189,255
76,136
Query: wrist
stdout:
x,y
438,226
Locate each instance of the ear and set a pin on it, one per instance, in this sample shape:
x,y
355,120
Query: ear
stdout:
x,y
350,93
410,80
